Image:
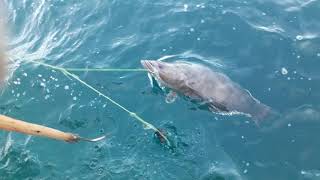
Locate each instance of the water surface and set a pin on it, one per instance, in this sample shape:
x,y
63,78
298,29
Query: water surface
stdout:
x,y
270,47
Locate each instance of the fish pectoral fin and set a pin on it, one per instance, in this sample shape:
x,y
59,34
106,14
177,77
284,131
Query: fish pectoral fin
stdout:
x,y
171,97
217,107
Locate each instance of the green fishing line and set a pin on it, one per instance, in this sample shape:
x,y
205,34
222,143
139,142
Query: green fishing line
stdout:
x,y
66,72
104,70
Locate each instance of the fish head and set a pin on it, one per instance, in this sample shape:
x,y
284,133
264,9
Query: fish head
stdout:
x,y
167,74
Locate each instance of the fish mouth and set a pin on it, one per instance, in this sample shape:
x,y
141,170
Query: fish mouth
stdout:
x,y
154,70
150,66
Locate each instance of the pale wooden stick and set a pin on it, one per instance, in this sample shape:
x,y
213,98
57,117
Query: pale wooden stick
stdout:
x,y
10,124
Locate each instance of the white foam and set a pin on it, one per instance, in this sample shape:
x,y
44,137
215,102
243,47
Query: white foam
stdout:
x,y
185,7
272,29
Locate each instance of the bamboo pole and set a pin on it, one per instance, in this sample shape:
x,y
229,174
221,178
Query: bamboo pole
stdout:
x,y
10,124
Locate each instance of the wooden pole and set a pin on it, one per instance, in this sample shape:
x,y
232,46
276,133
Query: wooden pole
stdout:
x,y
10,124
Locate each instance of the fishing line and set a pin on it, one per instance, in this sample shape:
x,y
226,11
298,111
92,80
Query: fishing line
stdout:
x,y
104,70
132,114
114,69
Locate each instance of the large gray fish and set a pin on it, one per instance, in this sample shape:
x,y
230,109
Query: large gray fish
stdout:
x,y
215,89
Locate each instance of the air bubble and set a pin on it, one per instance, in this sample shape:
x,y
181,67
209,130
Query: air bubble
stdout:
x,y
299,37
185,7
46,97
284,71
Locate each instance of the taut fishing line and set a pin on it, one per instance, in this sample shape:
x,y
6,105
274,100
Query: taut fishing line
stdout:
x,y
67,73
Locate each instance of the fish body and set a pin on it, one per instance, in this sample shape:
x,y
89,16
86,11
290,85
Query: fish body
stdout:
x,y
203,84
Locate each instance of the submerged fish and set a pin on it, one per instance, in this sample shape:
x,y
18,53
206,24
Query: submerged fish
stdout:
x,y
216,90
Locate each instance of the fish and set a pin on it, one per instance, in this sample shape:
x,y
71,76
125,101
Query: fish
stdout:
x,y
210,87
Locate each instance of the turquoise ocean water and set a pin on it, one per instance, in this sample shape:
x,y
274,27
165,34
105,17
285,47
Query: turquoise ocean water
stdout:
x,y
270,47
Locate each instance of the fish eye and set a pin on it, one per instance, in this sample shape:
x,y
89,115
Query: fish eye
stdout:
x,y
160,66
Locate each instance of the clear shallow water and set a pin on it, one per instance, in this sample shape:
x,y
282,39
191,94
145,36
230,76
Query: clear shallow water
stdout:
x,y
254,42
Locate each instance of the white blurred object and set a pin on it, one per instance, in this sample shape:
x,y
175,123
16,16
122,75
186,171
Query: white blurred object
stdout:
x,y
2,45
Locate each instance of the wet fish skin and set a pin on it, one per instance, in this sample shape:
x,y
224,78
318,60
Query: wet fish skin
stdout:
x,y
214,88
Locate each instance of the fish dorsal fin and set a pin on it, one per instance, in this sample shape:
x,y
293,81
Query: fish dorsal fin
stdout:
x,y
171,97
